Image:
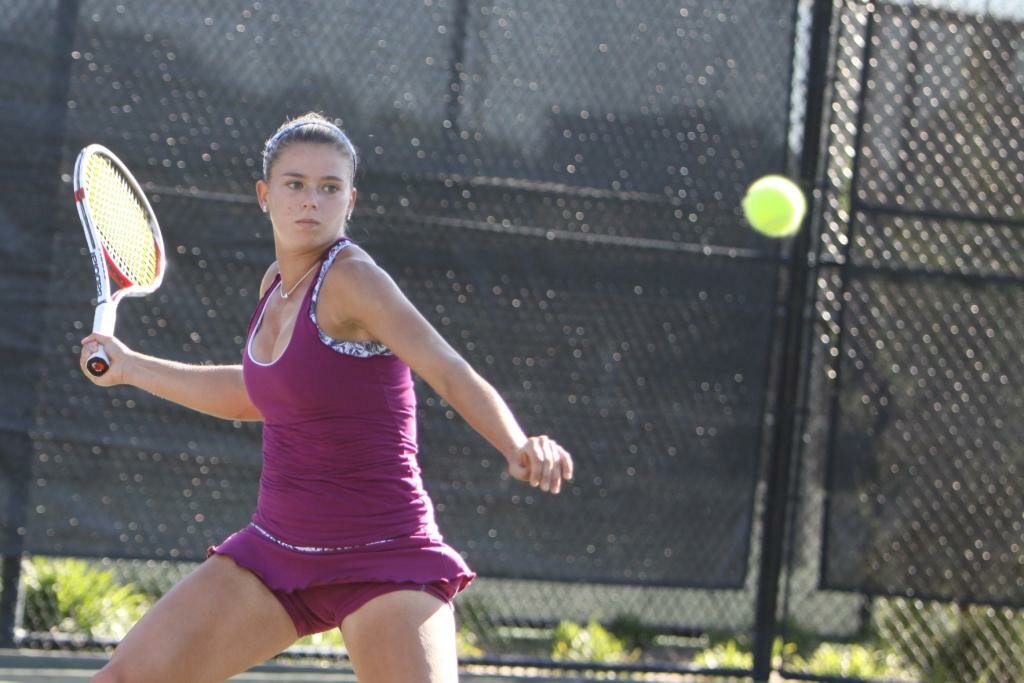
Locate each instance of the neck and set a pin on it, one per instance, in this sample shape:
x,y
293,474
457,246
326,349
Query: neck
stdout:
x,y
294,260
296,267
287,291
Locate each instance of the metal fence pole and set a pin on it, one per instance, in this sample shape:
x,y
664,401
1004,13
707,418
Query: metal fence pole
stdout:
x,y
11,577
16,471
16,457
458,64
785,439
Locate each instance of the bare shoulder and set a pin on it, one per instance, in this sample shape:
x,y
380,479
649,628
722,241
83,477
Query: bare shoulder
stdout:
x,y
268,278
356,290
355,273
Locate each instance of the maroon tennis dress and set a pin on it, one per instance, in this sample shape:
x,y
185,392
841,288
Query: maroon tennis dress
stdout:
x,y
342,514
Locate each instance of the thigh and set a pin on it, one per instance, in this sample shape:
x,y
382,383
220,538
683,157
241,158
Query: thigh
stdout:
x,y
404,636
218,621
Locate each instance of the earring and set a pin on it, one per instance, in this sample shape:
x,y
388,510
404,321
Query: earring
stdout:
x,y
264,208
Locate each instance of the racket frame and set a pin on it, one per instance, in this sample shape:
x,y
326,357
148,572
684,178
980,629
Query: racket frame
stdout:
x,y
103,265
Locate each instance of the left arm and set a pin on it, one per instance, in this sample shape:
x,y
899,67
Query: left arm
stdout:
x,y
361,294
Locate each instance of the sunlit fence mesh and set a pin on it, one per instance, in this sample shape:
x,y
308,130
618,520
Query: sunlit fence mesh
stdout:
x,y
908,507
556,186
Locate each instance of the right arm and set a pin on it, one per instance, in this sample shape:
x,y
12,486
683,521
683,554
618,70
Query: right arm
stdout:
x,y
217,390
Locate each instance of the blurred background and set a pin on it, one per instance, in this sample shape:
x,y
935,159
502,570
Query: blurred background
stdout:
x,y
797,458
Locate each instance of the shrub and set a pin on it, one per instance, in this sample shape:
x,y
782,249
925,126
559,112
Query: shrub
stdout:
x,y
467,644
726,655
633,633
72,596
852,660
590,643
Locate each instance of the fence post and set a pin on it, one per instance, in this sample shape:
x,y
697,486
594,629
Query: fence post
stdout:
x,y
16,472
11,577
16,453
784,438
458,64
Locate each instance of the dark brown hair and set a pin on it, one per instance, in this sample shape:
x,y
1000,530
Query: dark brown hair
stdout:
x,y
310,127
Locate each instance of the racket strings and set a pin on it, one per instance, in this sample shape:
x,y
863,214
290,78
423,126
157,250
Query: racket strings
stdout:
x,y
121,221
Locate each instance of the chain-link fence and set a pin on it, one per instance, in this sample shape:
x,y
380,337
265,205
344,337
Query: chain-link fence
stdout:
x,y
556,186
908,509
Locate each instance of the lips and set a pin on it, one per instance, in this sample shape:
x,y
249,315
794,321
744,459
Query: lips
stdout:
x,y
308,222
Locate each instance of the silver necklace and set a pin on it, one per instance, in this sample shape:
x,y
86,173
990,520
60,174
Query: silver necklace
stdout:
x,y
285,295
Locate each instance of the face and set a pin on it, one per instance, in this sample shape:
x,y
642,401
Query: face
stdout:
x,y
309,195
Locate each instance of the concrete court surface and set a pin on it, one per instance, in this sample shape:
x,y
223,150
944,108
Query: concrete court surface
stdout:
x,y
33,666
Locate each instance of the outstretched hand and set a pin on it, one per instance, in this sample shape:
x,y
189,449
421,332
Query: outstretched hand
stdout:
x,y
542,462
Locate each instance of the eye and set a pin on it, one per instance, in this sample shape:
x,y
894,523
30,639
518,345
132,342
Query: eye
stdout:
x,y
332,189
294,184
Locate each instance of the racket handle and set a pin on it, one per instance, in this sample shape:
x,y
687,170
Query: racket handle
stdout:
x,y
98,363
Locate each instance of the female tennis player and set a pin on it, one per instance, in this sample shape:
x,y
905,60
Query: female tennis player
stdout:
x,y
343,534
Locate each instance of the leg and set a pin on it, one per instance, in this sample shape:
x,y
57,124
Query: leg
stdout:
x,y
404,636
219,621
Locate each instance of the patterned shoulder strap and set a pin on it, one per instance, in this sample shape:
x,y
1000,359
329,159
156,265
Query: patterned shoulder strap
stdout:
x,y
349,348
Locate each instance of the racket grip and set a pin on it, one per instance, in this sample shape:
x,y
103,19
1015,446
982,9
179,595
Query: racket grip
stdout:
x,y
98,363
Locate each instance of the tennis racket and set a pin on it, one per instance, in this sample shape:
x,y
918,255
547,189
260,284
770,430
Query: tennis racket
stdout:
x,y
123,237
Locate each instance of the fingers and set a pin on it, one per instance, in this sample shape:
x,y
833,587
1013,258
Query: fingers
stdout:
x,y
97,336
92,342
543,463
90,346
538,458
114,351
567,465
563,471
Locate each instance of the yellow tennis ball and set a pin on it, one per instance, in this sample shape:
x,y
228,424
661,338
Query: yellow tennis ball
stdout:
x,y
774,206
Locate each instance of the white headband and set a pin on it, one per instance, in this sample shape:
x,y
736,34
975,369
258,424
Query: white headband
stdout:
x,y
272,143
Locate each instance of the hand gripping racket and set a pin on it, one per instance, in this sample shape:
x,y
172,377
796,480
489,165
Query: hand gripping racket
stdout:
x,y
123,237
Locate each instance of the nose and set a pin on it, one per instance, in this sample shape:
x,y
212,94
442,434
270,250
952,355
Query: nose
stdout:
x,y
309,198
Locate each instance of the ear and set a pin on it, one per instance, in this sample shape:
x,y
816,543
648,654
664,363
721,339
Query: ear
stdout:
x,y
261,193
352,203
